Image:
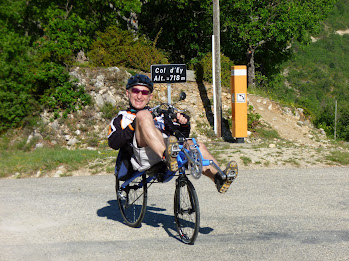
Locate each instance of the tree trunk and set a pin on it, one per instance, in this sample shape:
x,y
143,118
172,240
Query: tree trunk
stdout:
x,y
251,83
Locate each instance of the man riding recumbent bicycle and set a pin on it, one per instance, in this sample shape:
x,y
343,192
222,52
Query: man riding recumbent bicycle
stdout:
x,y
154,146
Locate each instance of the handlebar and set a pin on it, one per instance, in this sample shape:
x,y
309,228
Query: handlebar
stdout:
x,y
169,113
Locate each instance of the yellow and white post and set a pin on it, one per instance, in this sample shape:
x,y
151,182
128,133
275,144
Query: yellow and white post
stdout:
x,y
238,90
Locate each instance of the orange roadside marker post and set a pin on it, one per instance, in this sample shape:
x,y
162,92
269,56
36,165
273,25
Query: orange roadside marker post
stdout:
x,y
238,90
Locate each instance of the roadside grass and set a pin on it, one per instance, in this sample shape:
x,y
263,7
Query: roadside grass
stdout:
x,y
267,134
341,157
292,161
246,160
28,163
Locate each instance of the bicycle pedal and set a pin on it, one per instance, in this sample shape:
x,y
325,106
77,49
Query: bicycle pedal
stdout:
x,y
231,176
174,150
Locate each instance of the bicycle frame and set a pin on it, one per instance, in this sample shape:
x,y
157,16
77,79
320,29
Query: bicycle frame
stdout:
x,y
183,158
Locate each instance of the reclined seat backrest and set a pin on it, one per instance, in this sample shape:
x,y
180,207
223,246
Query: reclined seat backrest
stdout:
x,y
123,166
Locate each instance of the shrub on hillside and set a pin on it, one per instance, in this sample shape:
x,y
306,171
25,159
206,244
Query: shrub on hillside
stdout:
x,y
116,47
203,69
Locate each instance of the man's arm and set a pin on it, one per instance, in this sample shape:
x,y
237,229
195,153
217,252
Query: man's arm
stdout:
x,y
118,136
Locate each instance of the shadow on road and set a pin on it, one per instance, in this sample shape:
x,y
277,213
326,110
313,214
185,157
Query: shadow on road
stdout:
x,y
153,217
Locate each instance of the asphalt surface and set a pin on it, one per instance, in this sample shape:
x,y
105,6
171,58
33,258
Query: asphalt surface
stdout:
x,y
286,214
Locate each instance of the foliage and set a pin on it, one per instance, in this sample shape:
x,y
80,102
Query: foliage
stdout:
x,y
119,47
268,27
109,111
319,74
95,14
39,40
250,30
64,36
341,157
203,69
338,18
183,27
15,77
44,160
252,118
267,133
246,160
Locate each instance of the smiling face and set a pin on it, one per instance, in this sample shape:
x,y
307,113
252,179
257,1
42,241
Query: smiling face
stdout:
x,y
139,100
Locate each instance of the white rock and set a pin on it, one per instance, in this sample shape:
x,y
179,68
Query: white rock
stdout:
x,y
58,173
306,123
109,98
114,69
30,137
99,100
39,145
72,142
55,125
38,173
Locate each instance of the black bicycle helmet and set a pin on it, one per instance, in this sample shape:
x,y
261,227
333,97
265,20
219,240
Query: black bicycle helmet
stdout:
x,y
140,79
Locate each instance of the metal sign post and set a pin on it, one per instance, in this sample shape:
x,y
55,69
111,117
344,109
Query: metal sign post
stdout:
x,y
169,93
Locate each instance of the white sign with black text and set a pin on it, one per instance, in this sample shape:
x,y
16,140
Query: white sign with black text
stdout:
x,y
168,73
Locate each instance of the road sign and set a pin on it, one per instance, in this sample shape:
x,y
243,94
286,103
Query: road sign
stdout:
x,y
168,73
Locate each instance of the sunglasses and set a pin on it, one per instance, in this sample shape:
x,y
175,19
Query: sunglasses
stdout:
x,y
136,91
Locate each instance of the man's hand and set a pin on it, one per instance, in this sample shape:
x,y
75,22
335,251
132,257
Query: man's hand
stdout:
x,y
181,118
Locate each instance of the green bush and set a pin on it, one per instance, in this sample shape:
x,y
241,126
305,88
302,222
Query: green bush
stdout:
x,y
116,47
57,90
33,70
252,118
203,69
109,111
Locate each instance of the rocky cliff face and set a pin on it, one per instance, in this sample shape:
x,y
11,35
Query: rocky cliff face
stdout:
x,y
88,127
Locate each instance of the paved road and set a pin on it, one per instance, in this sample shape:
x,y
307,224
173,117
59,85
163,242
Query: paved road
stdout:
x,y
289,214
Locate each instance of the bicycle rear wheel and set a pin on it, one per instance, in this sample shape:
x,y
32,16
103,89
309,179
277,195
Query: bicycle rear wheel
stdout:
x,y
132,200
186,210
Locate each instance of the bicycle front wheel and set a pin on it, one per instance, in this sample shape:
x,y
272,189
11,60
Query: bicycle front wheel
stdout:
x,y
186,210
132,201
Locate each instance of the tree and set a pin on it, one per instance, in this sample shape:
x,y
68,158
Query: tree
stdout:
x,y
181,27
268,26
38,42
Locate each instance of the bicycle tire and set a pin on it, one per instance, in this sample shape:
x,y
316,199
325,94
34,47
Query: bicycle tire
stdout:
x,y
186,210
132,200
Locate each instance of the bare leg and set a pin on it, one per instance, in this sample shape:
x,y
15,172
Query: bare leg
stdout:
x,y
147,134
